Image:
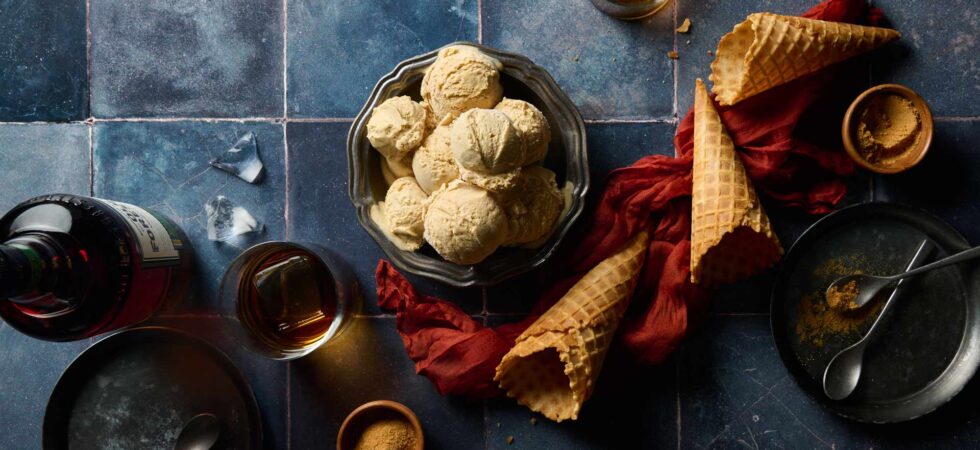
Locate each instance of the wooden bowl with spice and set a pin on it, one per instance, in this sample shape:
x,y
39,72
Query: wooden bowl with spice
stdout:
x,y
887,129
381,424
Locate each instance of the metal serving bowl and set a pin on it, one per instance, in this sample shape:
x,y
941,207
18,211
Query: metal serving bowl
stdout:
x,y
521,79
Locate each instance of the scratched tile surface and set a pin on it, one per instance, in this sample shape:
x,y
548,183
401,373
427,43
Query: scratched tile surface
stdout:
x,y
339,49
186,58
154,62
42,74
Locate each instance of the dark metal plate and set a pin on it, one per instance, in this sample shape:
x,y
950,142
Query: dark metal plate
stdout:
x,y
137,388
928,348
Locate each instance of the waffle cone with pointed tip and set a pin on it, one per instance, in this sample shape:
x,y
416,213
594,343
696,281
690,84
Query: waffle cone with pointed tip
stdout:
x,y
731,237
767,50
555,363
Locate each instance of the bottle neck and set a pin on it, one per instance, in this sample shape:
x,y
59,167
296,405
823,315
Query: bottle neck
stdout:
x,y
20,270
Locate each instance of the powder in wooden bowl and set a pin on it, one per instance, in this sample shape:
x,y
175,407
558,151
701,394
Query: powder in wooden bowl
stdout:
x,y
888,128
388,434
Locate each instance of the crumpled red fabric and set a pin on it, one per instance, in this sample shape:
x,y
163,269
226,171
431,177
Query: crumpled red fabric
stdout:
x,y
460,355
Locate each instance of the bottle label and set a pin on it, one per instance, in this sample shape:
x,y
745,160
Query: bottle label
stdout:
x,y
156,245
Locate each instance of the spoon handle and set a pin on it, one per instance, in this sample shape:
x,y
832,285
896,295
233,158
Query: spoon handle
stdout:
x,y
923,252
957,258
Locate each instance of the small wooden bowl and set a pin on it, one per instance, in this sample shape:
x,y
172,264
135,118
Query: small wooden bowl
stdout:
x,y
850,125
359,418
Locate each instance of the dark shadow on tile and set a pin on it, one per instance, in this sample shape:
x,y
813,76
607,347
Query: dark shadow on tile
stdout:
x,y
610,146
187,59
944,183
339,49
936,55
266,377
366,363
30,368
164,167
610,68
320,211
632,407
42,61
42,159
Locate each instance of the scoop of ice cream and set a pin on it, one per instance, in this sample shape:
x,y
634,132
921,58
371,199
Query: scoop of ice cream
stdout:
x,y
535,206
484,140
464,223
404,213
395,168
531,125
433,163
397,126
501,184
461,78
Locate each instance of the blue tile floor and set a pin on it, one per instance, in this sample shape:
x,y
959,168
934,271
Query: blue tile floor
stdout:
x,y
131,100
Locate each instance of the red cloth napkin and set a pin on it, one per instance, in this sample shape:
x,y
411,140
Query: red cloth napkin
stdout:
x,y
460,355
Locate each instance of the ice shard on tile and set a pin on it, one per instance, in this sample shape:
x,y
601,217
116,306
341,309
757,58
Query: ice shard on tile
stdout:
x,y
225,220
242,160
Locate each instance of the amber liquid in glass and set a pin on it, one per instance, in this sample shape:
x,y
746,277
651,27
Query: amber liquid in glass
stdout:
x,y
287,298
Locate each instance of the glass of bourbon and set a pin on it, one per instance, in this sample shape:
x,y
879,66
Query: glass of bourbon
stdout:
x,y
291,297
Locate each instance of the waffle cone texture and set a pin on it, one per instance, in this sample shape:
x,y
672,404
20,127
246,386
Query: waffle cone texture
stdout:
x,y
731,237
555,363
767,50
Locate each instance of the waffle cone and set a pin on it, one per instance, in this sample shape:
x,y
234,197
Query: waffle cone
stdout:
x,y
767,50
731,237
555,363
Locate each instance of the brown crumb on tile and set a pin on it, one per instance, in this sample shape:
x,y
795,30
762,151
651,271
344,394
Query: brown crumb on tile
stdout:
x,y
534,421
672,54
575,58
685,26
510,440
710,53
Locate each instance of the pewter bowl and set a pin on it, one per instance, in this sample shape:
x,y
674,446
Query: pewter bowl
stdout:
x,y
521,79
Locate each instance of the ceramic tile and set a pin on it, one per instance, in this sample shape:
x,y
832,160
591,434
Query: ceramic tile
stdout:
x,y
338,50
42,159
187,58
943,183
632,407
267,378
935,55
609,68
30,368
366,363
164,166
320,211
610,146
42,61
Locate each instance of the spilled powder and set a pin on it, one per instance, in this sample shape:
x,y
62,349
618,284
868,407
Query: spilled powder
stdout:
x,y
843,297
819,321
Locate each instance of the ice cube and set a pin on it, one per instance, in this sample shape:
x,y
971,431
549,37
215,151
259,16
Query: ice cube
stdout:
x,y
290,292
225,220
242,160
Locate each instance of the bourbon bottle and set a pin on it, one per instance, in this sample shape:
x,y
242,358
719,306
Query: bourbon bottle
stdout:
x,y
72,267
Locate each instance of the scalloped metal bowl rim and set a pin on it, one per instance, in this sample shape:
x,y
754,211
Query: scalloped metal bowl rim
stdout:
x,y
466,275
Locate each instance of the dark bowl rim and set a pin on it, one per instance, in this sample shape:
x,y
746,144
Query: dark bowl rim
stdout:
x,y
436,270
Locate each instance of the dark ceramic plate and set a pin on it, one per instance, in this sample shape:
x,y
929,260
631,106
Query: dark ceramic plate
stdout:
x,y
137,388
521,79
927,349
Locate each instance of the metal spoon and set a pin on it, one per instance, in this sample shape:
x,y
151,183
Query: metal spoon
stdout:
x,y
199,433
868,286
844,371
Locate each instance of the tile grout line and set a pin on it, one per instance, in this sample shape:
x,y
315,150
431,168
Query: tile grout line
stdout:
x,y
285,58
285,201
677,392
486,424
479,21
675,62
189,119
91,159
669,120
956,118
289,405
88,56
